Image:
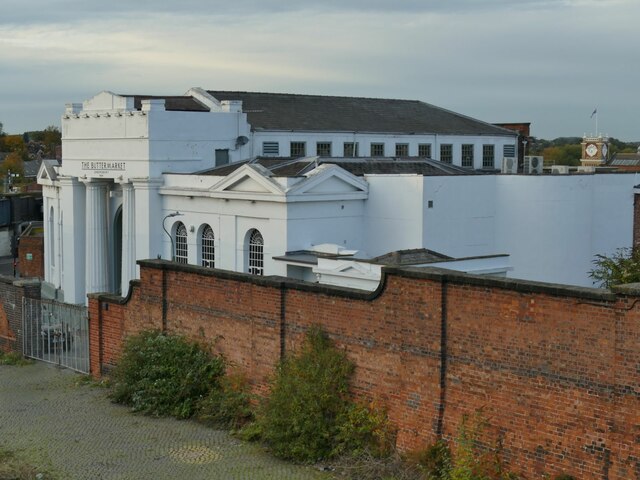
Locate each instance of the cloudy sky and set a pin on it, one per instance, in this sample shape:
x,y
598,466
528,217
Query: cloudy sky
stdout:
x,y
548,62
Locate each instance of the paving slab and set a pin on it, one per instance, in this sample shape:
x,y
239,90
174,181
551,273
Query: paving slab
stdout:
x,y
47,413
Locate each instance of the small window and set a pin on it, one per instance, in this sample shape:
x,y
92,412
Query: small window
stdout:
x,y
298,149
446,153
467,155
222,157
270,149
424,150
509,150
402,149
208,248
350,149
181,253
323,149
256,253
488,156
377,149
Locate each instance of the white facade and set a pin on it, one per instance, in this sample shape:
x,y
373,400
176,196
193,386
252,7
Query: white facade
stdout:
x,y
127,171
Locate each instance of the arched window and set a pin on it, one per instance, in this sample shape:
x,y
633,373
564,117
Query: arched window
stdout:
x,y
181,255
256,253
208,249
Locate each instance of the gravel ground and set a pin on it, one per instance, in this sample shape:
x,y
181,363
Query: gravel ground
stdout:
x,y
47,415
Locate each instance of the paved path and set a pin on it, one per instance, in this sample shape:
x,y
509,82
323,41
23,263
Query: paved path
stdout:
x,y
46,415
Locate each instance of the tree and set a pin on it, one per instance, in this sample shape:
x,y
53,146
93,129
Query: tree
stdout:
x,y
12,162
1,130
620,268
562,155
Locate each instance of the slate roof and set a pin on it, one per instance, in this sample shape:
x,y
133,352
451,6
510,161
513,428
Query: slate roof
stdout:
x,y
31,167
283,111
414,256
288,167
174,103
625,160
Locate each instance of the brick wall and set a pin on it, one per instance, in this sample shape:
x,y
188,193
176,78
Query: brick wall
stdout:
x,y
31,256
12,292
554,369
636,221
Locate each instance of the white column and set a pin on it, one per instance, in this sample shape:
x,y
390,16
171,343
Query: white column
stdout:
x,y
128,236
148,225
72,205
97,252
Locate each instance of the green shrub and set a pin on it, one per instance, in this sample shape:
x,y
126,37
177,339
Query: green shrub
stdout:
x,y
434,461
164,375
363,429
309,396
228,406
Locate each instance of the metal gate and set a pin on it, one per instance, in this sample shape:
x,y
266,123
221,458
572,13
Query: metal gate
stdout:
x,y
56,332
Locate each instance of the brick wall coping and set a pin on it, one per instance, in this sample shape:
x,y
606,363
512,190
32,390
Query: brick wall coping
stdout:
x,y
428,273
632,289
26,282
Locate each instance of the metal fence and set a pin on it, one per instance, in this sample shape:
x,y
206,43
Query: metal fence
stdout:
x,y
56,333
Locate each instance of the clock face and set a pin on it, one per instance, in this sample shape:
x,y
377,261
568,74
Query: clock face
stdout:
x,y
604,150
591,150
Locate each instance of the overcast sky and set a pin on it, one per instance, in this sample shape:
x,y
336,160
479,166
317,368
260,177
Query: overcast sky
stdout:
x,y
548,62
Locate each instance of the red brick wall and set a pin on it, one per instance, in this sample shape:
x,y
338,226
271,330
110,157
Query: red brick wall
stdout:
x,y
34,246
555,370
636,220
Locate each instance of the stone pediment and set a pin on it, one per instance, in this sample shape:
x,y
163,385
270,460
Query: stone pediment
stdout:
x,y
248,179
329,181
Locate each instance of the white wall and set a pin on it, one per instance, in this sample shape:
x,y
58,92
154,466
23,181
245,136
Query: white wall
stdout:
x,y
461,222
393,213
364,140
553,226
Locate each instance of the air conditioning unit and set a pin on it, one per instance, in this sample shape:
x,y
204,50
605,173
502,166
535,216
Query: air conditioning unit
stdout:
x,y
587,169
560,169
509,165
533,164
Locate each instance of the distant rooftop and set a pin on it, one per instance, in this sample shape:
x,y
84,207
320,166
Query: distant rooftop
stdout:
x,y
288,167
283,111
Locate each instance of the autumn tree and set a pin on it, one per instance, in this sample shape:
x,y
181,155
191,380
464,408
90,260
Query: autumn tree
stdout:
x,y
13,162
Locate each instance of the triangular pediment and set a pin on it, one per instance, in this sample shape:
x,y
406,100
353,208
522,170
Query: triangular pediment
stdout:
x,y
46,172
248,179
330,180
247,184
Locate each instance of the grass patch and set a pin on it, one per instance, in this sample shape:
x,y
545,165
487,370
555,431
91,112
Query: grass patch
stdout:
x,y
14,467
14,358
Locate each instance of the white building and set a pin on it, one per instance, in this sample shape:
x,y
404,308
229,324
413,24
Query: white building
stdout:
x,y
129,162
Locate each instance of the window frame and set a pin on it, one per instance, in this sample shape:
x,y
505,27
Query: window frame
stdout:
x,y
422,147
375,146
353,146
295,152
181,244
488,159
466,155
255,252
400,147
446,157
207,247
323,144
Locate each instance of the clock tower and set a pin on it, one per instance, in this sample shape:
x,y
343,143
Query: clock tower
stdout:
x,y
594,151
